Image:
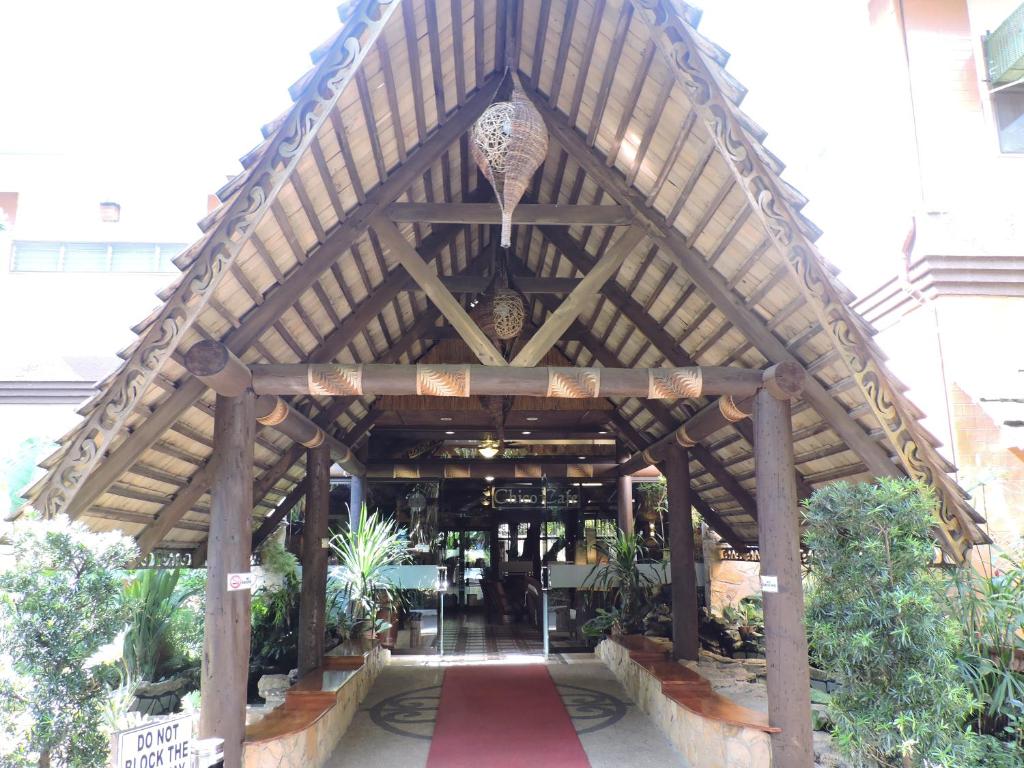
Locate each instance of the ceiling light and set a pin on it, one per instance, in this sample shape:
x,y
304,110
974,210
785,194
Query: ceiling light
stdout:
x,y
449,432
446,418
488,448
532,418
526,432
602,432
581,458
489,478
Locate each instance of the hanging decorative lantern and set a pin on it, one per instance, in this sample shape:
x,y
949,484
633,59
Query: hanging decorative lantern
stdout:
x,y
509,144
500,314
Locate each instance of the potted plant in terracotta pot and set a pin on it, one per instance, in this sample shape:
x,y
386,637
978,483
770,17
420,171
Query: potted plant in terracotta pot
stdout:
x,y
366,557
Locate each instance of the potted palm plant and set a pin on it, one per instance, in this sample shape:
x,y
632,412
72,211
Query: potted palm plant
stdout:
x,y
629,589
366,557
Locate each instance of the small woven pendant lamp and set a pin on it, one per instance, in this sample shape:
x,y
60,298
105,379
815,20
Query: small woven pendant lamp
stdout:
x,y
509,143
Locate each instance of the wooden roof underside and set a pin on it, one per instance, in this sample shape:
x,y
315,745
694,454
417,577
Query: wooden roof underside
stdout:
x,y
708,284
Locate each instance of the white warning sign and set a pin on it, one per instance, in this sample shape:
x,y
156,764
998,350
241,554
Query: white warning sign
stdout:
x,y
160,744
237,581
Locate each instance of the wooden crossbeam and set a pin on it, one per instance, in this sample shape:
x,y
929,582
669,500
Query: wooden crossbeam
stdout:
x,y
430,282
525,213
525,285
559,320
712,284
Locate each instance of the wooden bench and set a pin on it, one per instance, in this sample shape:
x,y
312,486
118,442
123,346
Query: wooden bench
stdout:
x,y
688,688
307,701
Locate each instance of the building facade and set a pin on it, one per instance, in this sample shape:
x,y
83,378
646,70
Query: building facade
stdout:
x,y
948,315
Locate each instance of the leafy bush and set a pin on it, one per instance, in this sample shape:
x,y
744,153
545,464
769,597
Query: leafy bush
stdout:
x,y
992,612
59,604
154,598
629,589
876,623
604,623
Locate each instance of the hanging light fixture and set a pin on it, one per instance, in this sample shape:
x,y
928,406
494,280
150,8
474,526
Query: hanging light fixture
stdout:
x,y
509,142
488,447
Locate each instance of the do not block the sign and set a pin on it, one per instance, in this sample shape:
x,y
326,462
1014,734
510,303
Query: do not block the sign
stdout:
x,y
160,744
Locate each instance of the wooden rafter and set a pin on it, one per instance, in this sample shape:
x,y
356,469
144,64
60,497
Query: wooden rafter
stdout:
x,y
713,285
430,282
525,213
559,320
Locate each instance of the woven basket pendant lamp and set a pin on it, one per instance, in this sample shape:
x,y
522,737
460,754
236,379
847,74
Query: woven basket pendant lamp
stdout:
x,y
509,143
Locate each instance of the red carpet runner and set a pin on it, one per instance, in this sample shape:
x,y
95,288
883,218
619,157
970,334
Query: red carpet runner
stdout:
x,y
503,717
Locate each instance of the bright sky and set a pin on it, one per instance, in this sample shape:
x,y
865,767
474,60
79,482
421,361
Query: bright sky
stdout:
x,y
159,100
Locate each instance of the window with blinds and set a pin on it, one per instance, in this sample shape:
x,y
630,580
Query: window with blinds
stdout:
x,y
42,256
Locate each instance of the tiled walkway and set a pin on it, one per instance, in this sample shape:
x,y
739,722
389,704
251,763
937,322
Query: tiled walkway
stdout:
x,y
468,637
395,723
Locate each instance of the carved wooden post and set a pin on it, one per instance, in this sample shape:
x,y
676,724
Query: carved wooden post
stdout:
x,y
356,499
778,528
225,665
313,598
625,496
685,642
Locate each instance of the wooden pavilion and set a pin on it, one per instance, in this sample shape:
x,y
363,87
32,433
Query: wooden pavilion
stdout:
x,y
674,299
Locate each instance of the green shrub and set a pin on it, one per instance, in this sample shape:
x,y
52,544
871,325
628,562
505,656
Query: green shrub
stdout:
x,y
59,604
155,599
991,609
627,588
876,623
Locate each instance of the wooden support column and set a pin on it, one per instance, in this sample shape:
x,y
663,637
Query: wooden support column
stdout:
x,y
685,642
356,499
625,496
225,665
778,528
313,599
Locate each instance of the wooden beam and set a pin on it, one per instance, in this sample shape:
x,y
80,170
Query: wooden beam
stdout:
x,y
778,532
559,320
169,516
453,469
313,598
712,284
470,380
97,478
785,379
442,298
525,213
271,521
472,284
445,332
685,640
225,664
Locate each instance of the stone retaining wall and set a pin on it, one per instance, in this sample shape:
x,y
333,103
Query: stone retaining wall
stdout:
x,y
705,743
311,746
